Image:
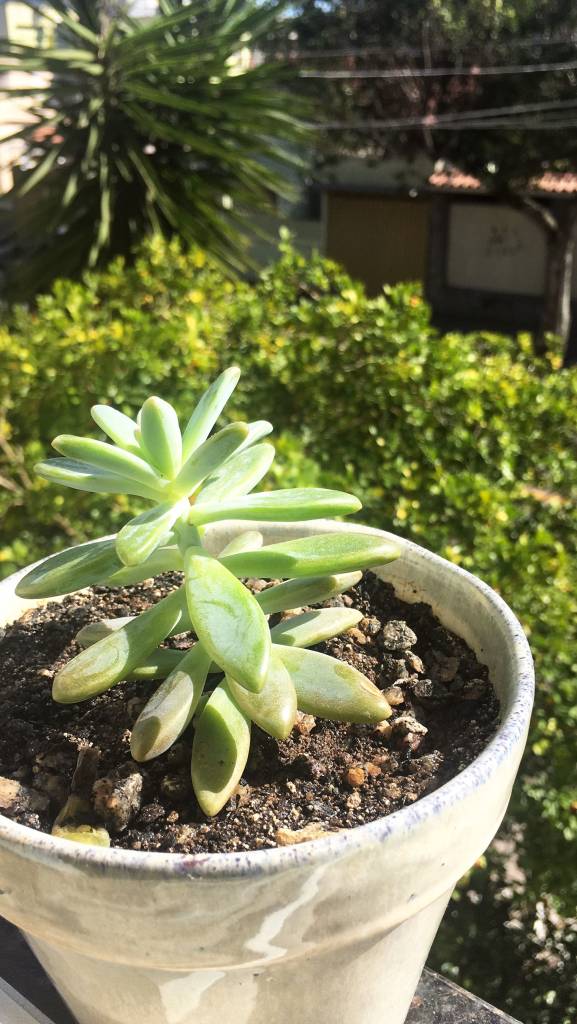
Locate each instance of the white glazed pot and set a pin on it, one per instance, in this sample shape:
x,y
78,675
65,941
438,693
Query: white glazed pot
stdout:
x,y
338,928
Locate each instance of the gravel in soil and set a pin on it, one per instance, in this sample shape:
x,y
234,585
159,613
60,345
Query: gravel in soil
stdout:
x,y
325,777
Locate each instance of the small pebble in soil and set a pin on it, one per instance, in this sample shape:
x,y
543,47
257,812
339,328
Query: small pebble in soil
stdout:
x,y
398,636
305,723
395,695
16,799
117,796
355,776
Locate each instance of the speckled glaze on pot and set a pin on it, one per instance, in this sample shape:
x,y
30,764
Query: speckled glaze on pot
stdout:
x,y
338,928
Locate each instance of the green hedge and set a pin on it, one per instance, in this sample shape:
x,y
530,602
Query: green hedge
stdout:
x,y
464,443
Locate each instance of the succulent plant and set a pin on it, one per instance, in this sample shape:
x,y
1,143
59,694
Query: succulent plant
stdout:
x,y
239,670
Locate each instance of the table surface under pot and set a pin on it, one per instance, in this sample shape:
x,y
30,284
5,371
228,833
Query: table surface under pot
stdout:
x,y
27,996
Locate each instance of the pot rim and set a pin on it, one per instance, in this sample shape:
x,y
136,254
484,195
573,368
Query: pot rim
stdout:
x,y
150,865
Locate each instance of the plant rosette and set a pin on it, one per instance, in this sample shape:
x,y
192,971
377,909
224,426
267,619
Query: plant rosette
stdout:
x,y
339,925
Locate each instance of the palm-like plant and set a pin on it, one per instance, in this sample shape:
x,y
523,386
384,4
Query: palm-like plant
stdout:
x,y
141,126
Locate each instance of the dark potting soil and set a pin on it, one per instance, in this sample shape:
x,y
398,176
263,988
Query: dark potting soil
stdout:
x,y
326,776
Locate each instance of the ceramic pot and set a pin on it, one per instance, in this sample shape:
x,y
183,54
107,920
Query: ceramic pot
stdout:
x,y
335,929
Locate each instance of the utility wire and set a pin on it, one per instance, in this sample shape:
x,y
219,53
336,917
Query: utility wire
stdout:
x,y
470,72
413,51
490,113
551,125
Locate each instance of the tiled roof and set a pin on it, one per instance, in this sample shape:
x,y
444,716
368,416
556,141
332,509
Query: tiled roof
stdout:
x,y
552,182
454,180
555,182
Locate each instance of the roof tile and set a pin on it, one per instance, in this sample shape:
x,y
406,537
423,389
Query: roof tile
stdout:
x,y
553,182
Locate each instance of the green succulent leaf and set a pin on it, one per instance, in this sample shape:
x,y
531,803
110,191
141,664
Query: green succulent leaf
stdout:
x,y
238,475
95,631
70,570
220,750
227,619
305,591
208,410
171,707
164,559
89,835
100,666
109,459
332,689
146,532
248,541
325,553
313,627
288,505
158,665
205,460
274,709
257,429
84,477
120,428
160,436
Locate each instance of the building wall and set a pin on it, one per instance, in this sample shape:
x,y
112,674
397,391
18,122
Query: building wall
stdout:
x,y
361,174
25,26
307,236
494,248
378,239
22,25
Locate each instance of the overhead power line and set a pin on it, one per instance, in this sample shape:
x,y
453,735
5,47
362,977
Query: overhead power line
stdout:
x,y
504,115
471,72
413,51
474,126
549,125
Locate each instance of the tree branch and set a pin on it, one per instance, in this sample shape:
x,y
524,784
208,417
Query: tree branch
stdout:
x,y
540,214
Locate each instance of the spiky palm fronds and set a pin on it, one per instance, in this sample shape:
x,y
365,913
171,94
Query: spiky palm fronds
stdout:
x,y
147,125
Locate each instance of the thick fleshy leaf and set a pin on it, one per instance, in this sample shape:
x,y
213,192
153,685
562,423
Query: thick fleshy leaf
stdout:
x,y
146,532
289,505
120,428
83,477
158,665
305,591
201,706
88,835
220,750
99,667
325,553
314,627
238,475
248,541
257,429
70,570
160,436
332,689
171,707
95,631
164,559
109,459
205,460
227,619
274,709
208,410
